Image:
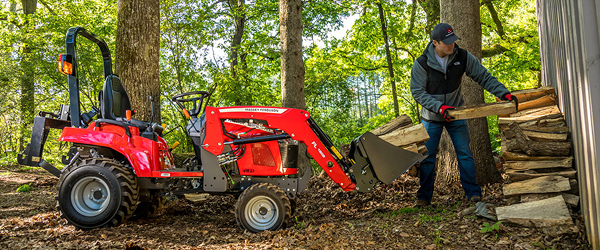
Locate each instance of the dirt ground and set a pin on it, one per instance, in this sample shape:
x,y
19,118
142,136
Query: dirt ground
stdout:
x,y
326,218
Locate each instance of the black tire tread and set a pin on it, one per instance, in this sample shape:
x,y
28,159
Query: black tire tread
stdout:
x,y
127,181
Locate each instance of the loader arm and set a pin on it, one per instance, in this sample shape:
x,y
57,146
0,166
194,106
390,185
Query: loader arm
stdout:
x,y
294,122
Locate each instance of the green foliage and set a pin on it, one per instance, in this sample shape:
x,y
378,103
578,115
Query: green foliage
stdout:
x,y
25,188
423,218
438,238
347,83
490,228
299,224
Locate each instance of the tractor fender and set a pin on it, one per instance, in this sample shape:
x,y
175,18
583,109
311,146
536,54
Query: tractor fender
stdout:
x,y
142,153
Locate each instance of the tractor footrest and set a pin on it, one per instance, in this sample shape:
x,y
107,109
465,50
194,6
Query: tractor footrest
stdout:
x,y
176,173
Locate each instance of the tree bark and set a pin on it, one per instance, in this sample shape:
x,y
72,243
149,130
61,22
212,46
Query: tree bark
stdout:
x,y
237,9
292,65
389,58
464,17
27,78
137,54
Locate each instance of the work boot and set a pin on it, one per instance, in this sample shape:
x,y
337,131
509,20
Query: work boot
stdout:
x,y
422,204
475,198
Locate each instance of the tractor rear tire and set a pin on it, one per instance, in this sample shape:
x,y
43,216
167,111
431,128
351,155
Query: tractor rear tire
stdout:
x,y
263,206
97,193
147,209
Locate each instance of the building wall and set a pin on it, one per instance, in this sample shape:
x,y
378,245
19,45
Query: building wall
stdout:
x,y
570,54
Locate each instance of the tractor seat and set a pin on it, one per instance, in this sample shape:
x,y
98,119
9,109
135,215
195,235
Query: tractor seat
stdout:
x,y
114,101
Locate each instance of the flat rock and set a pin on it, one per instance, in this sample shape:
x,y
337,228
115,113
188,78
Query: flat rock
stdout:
x,y
544,213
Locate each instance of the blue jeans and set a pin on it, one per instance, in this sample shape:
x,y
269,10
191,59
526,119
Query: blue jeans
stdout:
x,y
459,133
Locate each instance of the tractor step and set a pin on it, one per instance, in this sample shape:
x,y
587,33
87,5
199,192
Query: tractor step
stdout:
x,y
177,173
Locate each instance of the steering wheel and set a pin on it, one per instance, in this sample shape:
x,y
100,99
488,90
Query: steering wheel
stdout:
x,y
179,99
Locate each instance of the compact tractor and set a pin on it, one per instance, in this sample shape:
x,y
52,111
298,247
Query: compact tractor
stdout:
x,y
118,167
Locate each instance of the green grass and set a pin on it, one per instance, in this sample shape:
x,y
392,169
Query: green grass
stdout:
x,y
25,188
426,218
4,173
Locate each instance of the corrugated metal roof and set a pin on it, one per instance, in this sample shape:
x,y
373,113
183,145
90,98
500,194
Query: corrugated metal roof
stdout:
x,y
570,54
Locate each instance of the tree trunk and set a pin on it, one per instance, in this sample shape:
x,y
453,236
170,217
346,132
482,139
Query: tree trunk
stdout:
x,y
464,17
292,65
137,54
237,9
27,78
389,58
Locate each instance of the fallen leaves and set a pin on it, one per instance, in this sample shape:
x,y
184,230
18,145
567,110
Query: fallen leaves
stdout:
x,y
333,219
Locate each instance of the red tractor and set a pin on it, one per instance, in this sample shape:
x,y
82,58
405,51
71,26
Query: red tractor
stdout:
x,y
119,167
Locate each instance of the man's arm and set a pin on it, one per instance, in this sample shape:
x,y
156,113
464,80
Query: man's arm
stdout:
x,y
481,75
418,84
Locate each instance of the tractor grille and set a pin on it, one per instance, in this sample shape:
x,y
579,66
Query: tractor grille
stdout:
x,y
261,155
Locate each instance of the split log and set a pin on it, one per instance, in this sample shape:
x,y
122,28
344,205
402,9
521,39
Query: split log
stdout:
x,y
538,103
519,176
574,187
543,213
541,136
557,130
483,110
546,184
537,112
411,147
569,198
401,133
526,165
531,94
553,120
422,149
523,143
400,122
512,156
414,134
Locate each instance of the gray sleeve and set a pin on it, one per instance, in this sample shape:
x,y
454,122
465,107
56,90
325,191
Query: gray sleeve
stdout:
x,y
481,75
418,84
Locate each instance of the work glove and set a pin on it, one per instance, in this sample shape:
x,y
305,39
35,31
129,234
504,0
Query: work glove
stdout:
x,y
509,97
444,112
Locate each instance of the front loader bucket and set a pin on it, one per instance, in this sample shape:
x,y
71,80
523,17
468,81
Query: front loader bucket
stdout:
x,y
377,160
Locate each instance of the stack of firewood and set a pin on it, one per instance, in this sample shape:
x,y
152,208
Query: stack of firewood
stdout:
x,y
539,163
400,132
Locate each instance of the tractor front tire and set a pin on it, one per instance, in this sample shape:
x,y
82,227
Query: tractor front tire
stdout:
x,y
97,193
261,207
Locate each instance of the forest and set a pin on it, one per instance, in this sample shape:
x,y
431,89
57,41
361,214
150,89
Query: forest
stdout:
x,y
348,86
356,59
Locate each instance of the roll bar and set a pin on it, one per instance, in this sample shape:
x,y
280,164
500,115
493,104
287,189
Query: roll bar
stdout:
x,y
73,79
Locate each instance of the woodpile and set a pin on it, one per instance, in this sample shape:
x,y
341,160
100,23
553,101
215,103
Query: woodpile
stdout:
x,y
538,164
400,132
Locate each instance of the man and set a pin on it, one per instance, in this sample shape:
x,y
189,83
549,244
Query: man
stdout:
x,y
436,85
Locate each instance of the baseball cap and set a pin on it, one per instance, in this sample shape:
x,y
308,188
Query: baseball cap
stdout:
x,y
443,32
